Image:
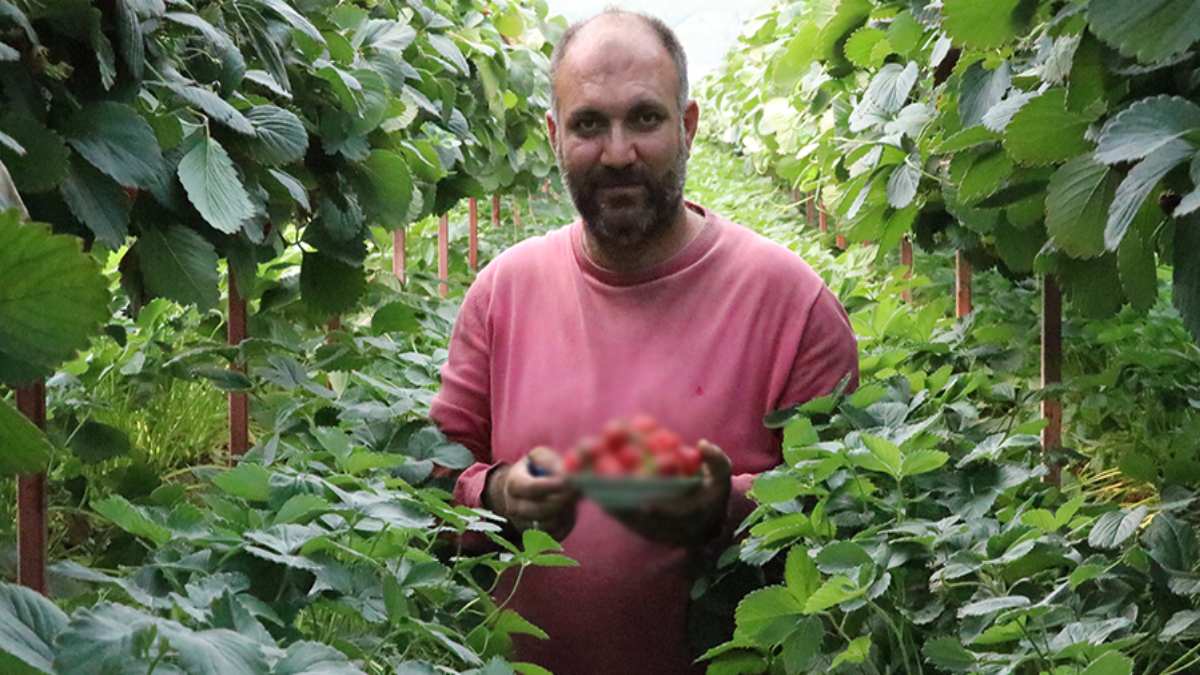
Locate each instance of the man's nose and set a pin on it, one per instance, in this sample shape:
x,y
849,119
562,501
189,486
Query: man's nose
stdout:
x,y
619,149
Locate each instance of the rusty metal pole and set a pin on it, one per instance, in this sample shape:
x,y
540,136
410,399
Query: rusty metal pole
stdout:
x,y
239,401
398,254
473,234
444,255
496,210
1051,367
810,210
31,500
962,285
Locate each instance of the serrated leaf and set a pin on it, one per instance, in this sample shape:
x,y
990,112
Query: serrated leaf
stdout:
x,y
314,658
981,25
43,163
905,33
1150,30
26,448
767,615
987,174
179,264
992,605
280,137
856,652
1112,663
883,456
294,188
981,89
1136,260
1186,273
213,186
1145,127
834,591
329,286
1044,132
1179,623
29,624
800,574
53,298
860,47
98,202
1077,201
1115,527
948,653
1138,184
115,139
233,64
1172,543
917,462
1093,286
294,18
247,480
449,50
391,186
902,185
966,139
885,96
214,106
1000,116
132,518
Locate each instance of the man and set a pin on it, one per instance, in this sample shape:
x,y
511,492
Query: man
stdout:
x,y
647,304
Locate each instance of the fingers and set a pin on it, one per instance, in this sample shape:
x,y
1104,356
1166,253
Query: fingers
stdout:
x,y
717,462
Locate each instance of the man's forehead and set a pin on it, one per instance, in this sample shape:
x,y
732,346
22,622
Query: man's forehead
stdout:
x,y
615,46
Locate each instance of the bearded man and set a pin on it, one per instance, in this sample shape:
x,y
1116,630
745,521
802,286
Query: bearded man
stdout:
x,y
646,304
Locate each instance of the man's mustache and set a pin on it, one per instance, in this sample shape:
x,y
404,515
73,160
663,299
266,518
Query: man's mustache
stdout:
x,y
607,178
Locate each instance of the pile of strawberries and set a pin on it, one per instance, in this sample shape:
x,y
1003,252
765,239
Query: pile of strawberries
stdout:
x,y
637,447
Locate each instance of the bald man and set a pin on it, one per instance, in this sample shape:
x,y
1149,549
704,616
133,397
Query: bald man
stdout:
x,y
647,304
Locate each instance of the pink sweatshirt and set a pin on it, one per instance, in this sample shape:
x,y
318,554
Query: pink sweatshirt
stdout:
x,y
548,347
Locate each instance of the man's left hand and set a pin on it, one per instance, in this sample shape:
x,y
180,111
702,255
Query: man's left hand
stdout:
x,y
693,518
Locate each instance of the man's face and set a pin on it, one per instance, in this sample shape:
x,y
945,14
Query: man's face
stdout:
x,y
621,142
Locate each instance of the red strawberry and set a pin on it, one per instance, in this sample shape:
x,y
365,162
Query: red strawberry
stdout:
x,y
666,464
643,424
571,461
662,441
608,465
615,435
690,460
630,457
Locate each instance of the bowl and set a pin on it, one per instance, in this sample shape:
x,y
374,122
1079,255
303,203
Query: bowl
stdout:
x,y
626,494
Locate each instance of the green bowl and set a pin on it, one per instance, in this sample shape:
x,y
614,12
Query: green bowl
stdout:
x,y
625,494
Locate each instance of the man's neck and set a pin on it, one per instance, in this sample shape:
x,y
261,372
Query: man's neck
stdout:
x,y
686,225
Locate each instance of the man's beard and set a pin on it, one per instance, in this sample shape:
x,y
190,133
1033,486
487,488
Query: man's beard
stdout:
x,y
628,220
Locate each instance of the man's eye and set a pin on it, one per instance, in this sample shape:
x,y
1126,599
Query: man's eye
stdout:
x,y
649,119
587,125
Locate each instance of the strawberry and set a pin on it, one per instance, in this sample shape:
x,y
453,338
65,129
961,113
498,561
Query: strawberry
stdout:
x,y
609,465
689,460
571,461
667,464
614,436
662,442
643,424
630,457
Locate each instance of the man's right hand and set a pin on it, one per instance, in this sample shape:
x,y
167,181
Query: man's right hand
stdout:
x,y
545,501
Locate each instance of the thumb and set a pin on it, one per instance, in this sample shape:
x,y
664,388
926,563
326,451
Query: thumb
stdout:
x,y
715,459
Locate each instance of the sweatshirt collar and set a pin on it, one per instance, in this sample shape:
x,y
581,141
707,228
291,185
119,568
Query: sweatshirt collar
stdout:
x,y
689,254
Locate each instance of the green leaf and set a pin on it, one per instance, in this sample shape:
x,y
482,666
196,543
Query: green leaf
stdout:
x,y
1113,528
117,140
1138,184
95,442
29,624
293,187
1111,663
390,187
53,298
803,644
225,379
905,33
860,45
834,591
800,574
511,622
247,480
992,605
843,557
967,138
328,285
1040,519
510,23
1090,78
536,542
1171,543
922,461
856,652
1150,30
947,653
101,640
981,25
280,137
1179,624
26,449
883,456
1077,201
233,65
447,48
793,61
130,38
314,658
886,95
98,202
1044,132
213,186
767,615
987,174
1093,286
1136,261
902,185
981,90
1146,126
294,18
395,317
132,518
43,164
179,264
771,488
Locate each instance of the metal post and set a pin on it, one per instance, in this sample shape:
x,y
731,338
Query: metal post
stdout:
x,y
962,285
31,500
398,254
239,401
496,210
810,210
1051,367
473,234
444,255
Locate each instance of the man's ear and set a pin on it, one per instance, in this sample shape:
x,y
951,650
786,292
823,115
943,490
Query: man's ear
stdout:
x,y
552,129
691,121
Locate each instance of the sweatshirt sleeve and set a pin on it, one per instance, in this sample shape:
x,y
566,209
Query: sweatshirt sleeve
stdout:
x,y
462,407
828,351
